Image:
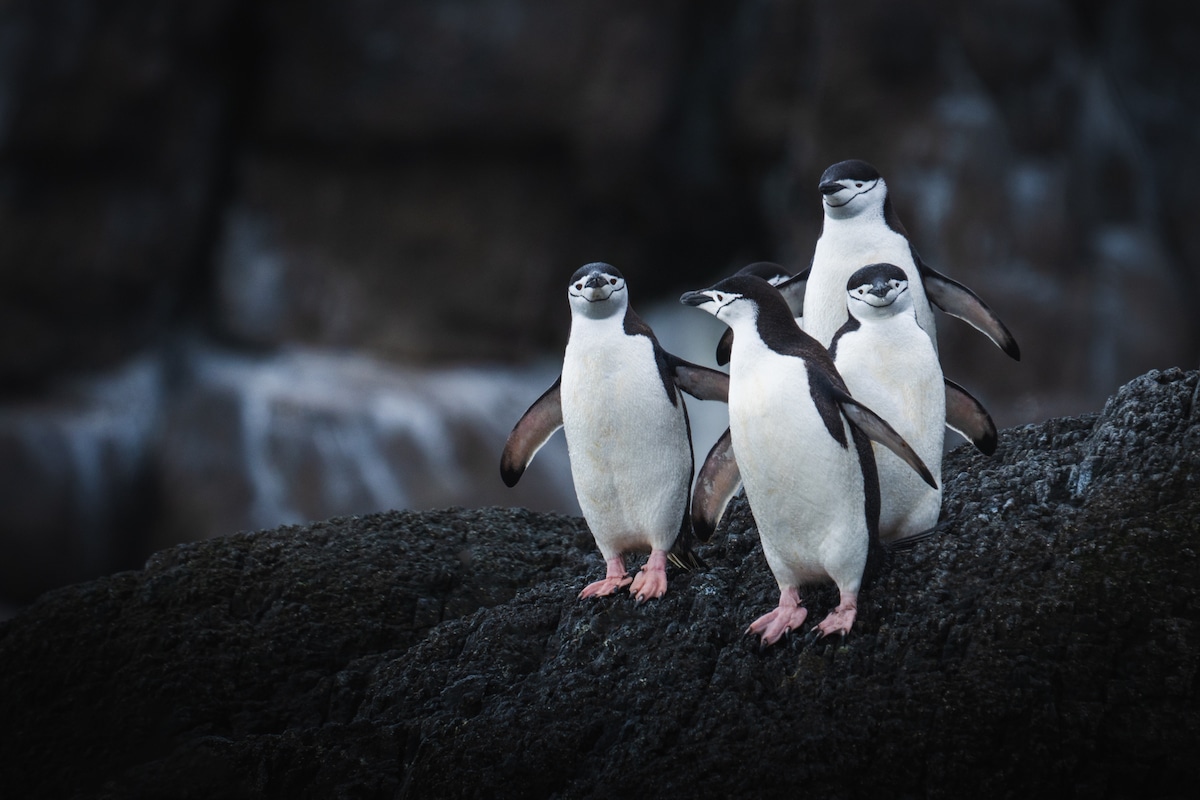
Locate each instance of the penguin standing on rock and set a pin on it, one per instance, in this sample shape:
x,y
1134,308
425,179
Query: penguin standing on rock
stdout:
x,y
889,363
861,227
619,404
802,447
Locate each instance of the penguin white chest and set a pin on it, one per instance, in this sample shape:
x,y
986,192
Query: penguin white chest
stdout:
x,y
628,443
844,247
805,488
890,365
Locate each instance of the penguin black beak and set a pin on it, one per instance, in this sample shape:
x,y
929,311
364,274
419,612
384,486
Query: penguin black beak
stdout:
x,y
595,281
694,298
833,187
880,289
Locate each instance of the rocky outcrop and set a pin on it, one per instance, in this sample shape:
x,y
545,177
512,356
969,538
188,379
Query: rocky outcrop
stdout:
x,y
1046,643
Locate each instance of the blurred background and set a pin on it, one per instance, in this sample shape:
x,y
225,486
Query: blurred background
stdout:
x,y
269,261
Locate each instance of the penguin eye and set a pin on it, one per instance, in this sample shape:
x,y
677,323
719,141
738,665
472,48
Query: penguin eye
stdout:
x,y
613,281
579,286
858,184
720,298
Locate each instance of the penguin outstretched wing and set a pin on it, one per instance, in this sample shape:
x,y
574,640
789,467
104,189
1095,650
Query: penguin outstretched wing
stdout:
x,y
533,429
967,417
717,483
790,286
959,301
700,382
878,429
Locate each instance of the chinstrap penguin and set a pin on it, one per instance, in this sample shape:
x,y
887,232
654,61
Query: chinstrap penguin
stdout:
x,y
861,227
628,438
802,450
889,363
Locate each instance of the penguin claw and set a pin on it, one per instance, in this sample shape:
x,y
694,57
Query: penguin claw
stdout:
x,y
651,581
840,620
605,587
773,626
812,637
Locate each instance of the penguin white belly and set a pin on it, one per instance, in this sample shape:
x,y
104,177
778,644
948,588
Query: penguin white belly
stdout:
x,y
805,490
890,366
843,248
628,444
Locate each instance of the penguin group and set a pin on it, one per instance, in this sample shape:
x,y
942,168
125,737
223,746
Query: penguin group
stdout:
x,y
837,410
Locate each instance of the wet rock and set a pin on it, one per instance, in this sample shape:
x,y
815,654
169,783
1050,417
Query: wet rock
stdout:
x,y
1046,642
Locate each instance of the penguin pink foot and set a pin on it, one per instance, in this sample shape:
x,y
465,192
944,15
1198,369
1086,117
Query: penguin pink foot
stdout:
x,y
615,579
651,581
841,619
788,616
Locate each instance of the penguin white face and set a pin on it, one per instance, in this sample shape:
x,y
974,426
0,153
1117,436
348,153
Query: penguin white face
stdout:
x,y
597,290
851,187
876,286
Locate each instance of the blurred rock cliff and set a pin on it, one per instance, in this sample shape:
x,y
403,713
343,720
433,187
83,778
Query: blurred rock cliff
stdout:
x,y
266,262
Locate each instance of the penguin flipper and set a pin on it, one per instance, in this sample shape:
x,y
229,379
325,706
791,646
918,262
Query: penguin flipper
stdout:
x,y
959,301
717,483
700,382
725,347
793,291
878,429
533,429
969,419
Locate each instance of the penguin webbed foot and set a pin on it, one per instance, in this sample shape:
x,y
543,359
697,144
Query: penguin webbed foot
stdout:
x,y
651,581
616,578
841,619
789,615
606,587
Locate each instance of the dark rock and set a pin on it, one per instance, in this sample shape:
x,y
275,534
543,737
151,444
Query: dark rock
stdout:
x,y
1045,643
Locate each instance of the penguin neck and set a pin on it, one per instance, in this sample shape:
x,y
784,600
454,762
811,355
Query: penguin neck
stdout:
x,y
771,326
842,218
603,313
868,314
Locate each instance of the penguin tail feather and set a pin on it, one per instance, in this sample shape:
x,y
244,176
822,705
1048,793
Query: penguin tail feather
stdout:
x,y
683,553
909,542
687,560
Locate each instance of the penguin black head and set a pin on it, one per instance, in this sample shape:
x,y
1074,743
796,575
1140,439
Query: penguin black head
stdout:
x,y
597,290
876,286
851,187
769,271
739,298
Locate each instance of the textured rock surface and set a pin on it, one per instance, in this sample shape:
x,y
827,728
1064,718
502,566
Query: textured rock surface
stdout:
x,y
1047,643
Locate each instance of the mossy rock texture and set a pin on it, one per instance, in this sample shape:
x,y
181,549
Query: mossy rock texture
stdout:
x,y
1045,643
